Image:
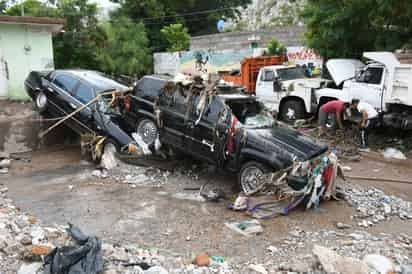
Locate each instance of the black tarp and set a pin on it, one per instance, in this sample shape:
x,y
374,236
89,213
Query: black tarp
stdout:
x,y
85,258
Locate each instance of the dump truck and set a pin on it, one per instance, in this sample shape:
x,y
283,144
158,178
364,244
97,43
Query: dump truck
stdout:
x,y
249,71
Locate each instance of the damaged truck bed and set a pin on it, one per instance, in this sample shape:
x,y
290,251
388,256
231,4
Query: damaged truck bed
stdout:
x,y
230,130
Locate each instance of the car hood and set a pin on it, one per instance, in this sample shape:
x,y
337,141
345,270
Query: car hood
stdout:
x,y
343,69
304,82
286,143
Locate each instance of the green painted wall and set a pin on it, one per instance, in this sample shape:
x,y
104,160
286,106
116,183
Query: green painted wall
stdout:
x,y
25,48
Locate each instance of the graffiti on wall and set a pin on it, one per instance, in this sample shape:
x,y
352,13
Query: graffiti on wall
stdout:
x,y
303,56
205,61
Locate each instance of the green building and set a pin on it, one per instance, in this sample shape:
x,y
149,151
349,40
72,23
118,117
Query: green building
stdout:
x,y
25,45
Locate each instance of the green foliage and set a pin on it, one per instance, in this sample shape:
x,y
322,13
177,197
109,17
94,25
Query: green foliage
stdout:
x,y
125,50
348,28
159,13
3,6
177,36
31,8
275,47
77,46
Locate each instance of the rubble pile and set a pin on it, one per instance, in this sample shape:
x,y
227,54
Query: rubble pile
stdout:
x,y
374,206
342,251
24,243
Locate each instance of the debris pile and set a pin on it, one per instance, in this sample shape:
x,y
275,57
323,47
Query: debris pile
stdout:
x,y
25,245
329,251
374,206
5,162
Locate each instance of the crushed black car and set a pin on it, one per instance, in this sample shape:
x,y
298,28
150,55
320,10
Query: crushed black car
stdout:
x,y
58,93
230,130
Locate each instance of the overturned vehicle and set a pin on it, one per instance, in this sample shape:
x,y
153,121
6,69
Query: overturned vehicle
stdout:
x,y
230,130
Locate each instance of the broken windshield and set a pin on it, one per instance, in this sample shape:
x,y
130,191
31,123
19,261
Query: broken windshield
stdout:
x,y
251,114
294,73
259,120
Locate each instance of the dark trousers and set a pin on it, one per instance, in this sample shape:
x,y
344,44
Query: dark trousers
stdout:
x,y
364,132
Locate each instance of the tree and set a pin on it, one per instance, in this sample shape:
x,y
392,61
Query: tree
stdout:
x,y
32,8
77,46
348,28
200,17
125,50
3,6
275,47
177,36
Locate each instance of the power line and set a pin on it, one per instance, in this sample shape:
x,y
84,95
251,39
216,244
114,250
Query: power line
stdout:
x,y
188,14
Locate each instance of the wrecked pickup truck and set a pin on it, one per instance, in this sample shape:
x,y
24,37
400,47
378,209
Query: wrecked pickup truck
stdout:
x,y
232,131
58,93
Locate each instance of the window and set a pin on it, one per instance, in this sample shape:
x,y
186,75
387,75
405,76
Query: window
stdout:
x,y
372,75
268,75
65,82
213,110
84,93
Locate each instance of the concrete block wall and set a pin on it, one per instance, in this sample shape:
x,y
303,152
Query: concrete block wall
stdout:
x,y
288,36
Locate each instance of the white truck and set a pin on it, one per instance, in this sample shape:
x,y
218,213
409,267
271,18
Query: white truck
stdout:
x,y
288,91
382,82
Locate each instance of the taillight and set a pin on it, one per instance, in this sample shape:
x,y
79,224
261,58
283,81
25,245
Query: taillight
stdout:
x,y
127,103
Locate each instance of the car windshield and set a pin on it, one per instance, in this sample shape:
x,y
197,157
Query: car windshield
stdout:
x,y
287,74
251,114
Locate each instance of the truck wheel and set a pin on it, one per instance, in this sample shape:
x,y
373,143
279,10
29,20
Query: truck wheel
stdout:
x,y
249,174
291,111
147,129
41,102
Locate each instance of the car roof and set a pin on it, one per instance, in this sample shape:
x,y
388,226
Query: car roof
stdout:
x,y
98,80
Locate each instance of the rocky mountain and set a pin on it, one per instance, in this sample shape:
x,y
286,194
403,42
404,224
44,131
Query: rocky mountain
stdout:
x,y
263,14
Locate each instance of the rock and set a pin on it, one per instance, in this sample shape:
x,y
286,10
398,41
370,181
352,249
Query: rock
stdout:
x,y
119,254
156,270
4,155
202,260
379,263
96,173
37,235
41,250
4,190
5,163
25,240
32,268
342,226
4,170
406,269
258,268
332,262
272,249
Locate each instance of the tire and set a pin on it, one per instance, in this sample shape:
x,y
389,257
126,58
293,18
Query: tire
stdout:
x,y
291,111
148,130
41,102
248,176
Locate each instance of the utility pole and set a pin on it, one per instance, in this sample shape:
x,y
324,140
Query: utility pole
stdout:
x,y
22,7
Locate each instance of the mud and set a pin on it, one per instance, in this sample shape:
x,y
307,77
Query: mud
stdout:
x,y
57,187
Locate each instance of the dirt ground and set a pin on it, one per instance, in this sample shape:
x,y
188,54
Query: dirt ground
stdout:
x,y
57,186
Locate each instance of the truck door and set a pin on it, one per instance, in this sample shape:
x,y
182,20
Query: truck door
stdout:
x,y
368,87
264,88
206,134
173,109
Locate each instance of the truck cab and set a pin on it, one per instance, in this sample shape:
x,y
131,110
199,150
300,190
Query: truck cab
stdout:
x,y
287,90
